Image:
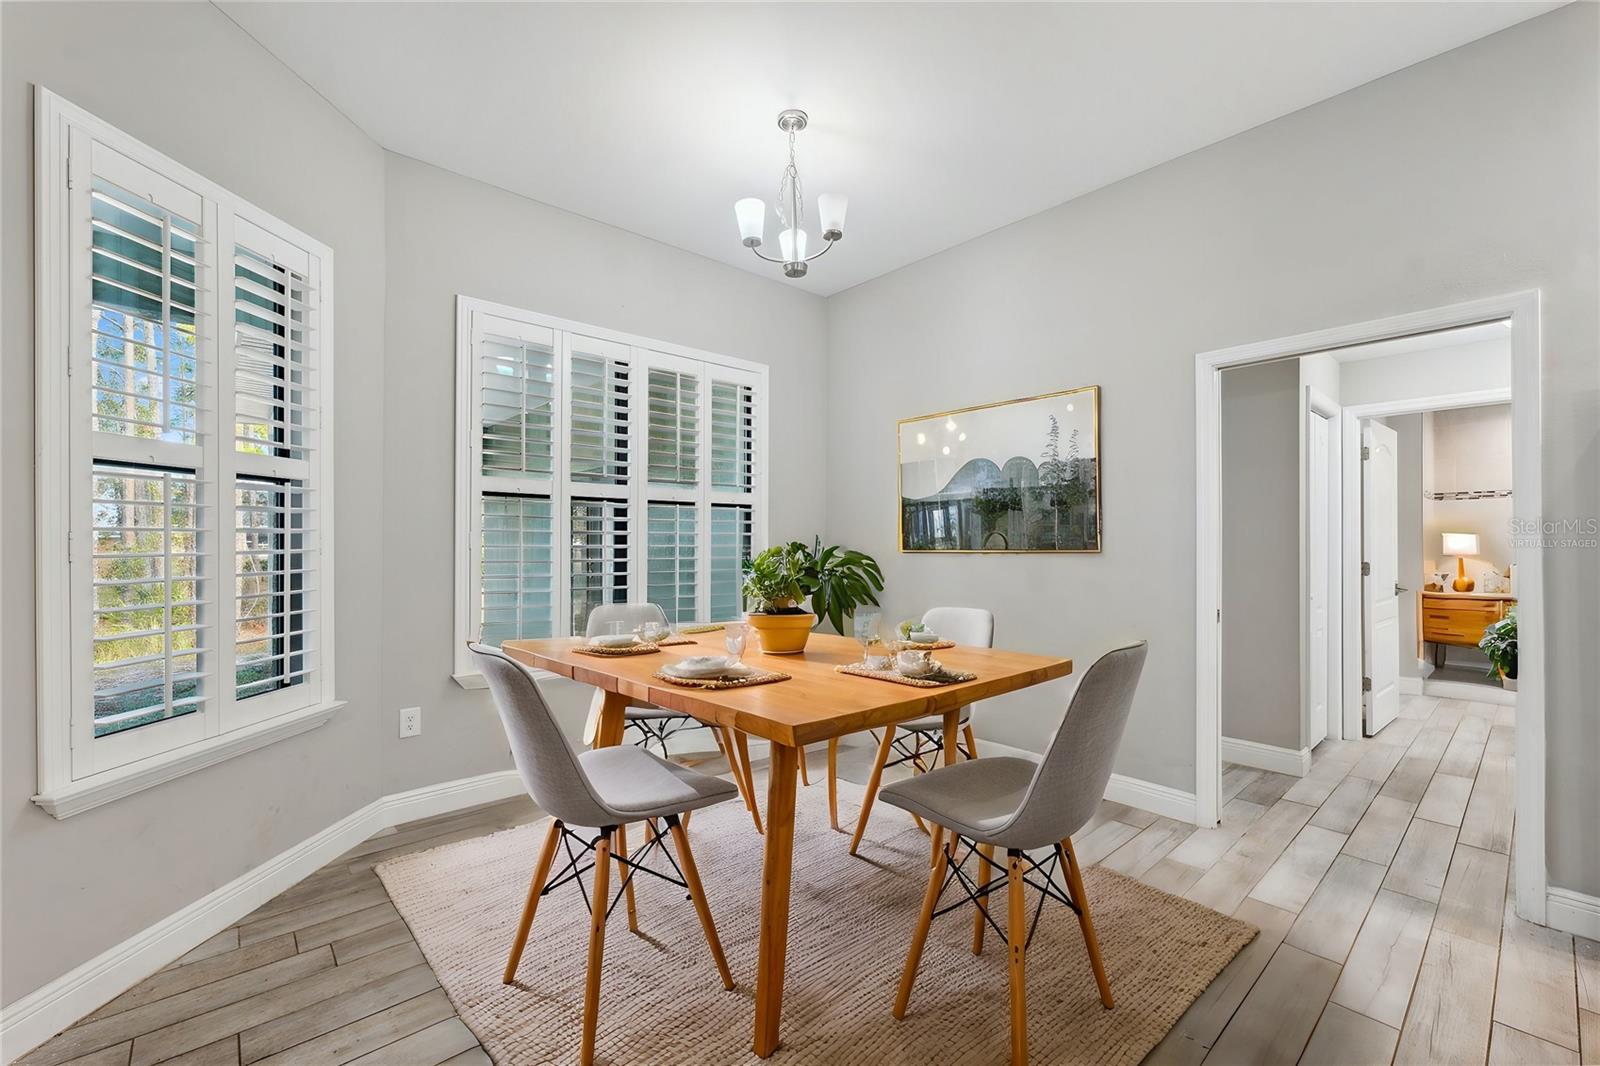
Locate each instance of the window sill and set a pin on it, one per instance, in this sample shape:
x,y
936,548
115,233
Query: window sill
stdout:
x,y
476,681
78,796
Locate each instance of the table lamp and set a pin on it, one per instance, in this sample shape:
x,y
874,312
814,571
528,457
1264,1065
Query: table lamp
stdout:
x,y
1461,545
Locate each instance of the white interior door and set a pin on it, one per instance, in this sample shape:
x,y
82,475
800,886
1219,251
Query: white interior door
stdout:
x,y
1380,599
1317,591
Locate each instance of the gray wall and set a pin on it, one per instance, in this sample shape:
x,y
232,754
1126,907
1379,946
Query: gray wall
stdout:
x,y
1469,175
71,889
449,235
1260,554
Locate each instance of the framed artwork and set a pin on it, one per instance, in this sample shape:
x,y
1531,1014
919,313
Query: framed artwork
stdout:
x,y
1015,476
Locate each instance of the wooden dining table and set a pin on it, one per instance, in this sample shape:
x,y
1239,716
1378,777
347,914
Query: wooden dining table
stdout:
x,y
817,704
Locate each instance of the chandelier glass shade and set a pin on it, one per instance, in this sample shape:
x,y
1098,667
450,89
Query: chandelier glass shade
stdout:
x,y
751,212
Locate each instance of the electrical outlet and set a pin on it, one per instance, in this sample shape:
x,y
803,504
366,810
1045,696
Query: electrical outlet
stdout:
x,y
411,721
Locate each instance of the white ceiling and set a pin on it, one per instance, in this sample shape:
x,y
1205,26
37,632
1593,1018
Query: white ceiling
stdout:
x,y
940,121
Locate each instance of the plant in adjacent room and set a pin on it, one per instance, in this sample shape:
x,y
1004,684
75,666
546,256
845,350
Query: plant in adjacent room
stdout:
x,y
1499,643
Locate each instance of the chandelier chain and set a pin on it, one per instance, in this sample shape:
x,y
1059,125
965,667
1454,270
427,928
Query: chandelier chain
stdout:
x,y
789,188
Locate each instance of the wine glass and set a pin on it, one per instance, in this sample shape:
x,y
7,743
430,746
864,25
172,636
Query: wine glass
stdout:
x,y
867,621
733,639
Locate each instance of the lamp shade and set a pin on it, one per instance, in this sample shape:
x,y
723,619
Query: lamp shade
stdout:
x,y
792,243
752,215
831,208
1462,544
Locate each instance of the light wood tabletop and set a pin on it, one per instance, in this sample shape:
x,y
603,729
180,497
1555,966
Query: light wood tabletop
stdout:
x,y
817,704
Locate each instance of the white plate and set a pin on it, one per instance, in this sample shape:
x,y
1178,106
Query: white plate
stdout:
x,y
614,640
702,666
923,638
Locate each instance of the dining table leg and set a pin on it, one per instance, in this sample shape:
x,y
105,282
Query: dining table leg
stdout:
x,y
776,876
608,730
952,727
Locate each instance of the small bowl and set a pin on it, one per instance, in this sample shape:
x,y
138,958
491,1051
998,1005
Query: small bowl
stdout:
x,y
651,632
922,636
614,640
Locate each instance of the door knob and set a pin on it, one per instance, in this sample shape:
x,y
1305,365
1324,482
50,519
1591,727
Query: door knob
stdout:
x,y
1398,589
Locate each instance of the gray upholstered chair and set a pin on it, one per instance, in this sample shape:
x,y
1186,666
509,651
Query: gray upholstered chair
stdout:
x,y
1021,805
653,724
921,738
605,788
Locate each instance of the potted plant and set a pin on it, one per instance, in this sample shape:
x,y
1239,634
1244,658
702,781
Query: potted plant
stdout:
x,y
779,579
1499,643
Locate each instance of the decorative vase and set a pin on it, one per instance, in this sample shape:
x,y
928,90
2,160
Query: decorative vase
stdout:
x,y
783,634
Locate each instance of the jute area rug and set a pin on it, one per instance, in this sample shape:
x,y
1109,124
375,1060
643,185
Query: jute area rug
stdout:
x,y
850,923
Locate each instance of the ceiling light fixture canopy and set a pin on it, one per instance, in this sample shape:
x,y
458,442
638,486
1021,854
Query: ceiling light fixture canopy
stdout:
x,y
791,207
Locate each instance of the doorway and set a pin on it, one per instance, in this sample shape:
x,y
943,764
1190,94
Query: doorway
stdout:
x,y
1518,315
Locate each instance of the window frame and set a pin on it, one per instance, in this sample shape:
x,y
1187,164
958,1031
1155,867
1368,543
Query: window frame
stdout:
x,y
78,771
476,318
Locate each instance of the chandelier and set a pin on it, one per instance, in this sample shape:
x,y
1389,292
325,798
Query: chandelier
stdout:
x,y
791,207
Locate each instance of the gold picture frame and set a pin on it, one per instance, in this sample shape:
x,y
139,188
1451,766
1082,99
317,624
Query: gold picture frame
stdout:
x,y
975,489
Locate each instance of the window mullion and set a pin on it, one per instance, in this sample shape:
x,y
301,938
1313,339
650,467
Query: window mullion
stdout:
x,y
223,485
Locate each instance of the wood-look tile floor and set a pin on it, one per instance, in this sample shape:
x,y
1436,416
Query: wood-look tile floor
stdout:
x,y
1379,881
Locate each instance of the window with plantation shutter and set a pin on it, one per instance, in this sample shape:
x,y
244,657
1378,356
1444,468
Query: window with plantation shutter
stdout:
x,y
672,561
599,413
674,433
598,468
180,596
732,528
732,436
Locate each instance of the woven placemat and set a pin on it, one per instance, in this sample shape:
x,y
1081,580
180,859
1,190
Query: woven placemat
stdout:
x,y
760,677
712,628
674,641
943,677
911,645
631,649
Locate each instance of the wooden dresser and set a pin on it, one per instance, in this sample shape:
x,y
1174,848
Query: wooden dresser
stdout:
x,y
1460,618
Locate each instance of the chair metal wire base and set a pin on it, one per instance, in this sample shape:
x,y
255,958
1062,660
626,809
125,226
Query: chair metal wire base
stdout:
x,y
575,868
929,742
975,893
658,731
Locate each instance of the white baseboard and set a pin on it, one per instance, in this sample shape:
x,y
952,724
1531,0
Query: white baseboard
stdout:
x,y
1266,756
36,1017
1466,690
1148,796
1573,912
1410,686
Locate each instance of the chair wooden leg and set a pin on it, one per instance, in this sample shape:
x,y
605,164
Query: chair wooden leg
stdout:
x,y
872,786
597,946
805,776
833,783
743,744
691,875
980,917
1090,941
1016,939
541,870
686,819
624,873
972,740
930,899
725,744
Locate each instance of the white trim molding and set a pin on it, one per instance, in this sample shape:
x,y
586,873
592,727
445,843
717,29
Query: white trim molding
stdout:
x,y
1148,796
1520,311
1409,686
38,1016
75,797
1466,690
1573,912
1266,756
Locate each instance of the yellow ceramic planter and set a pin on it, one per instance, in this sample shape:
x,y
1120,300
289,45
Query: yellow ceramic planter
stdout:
x,y
783,634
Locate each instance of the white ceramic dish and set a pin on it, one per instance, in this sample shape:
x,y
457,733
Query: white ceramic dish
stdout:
x,y
922,637
614,640
703,666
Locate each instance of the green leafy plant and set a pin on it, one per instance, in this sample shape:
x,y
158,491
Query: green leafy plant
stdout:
x,y
1499,643
772,581
838,580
